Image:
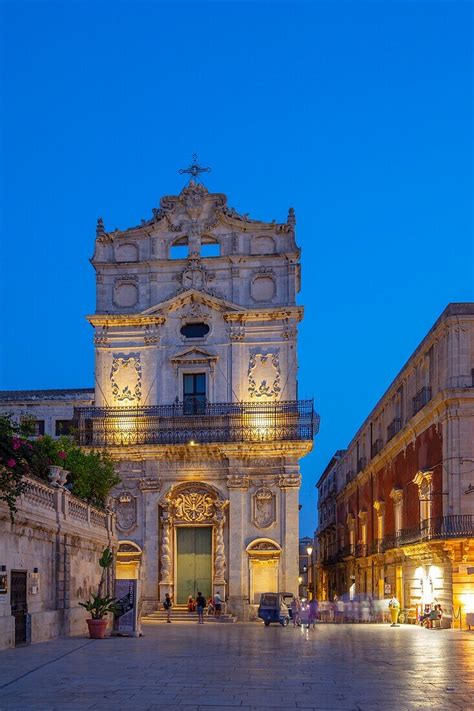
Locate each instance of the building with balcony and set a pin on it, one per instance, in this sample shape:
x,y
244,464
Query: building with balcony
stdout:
x,y
325,558
400,515
196,398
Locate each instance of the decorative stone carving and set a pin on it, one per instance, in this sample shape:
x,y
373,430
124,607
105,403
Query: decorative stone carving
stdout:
x,y
126,511
126,377
101,336
287,481
165,554
150,335
236,332
196,276
194,311
149,484
238,481
264,375
396,494
219,560
194,507
263,507
290,333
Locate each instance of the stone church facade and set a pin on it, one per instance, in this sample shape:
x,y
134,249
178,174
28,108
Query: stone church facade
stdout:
x,y
195,397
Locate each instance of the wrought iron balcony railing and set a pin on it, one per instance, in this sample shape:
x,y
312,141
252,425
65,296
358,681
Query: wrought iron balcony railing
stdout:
x,y
377,446
347,551
214,423
456,526
421,399
394,427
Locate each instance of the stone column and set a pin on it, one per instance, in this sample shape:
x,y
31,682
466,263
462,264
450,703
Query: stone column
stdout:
x,y
166,581
219,581
238,592
289,484
150,487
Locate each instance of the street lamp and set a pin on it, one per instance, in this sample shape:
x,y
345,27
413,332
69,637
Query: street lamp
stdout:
x,y
309,551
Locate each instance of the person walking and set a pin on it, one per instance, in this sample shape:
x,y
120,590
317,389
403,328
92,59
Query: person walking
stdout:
x,y
168,605
200,605
217,604
295,611
313,612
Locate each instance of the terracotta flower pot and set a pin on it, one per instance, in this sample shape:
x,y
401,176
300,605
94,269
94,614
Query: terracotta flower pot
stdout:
x,y
97,628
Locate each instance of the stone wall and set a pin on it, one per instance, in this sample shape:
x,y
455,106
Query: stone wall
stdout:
x,y
57,539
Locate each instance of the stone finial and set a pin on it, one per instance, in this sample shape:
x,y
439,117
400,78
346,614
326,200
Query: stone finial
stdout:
x,y
291,219
100,229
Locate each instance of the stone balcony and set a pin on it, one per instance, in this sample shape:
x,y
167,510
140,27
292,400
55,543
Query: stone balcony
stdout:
x,y
243,422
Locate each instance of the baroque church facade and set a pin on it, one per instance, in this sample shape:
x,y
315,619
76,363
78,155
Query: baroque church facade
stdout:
x,y
196,399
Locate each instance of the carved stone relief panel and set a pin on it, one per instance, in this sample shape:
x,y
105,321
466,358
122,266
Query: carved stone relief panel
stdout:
x,y
263,507
126,291
126,511
263,288
126,377
264,375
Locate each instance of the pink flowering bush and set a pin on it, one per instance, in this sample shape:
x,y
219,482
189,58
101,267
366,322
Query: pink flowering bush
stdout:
x,y
91,474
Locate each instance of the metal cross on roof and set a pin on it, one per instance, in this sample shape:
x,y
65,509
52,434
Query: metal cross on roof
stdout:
x,y
194,169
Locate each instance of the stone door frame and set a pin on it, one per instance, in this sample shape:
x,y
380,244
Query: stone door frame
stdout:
x,y
192,504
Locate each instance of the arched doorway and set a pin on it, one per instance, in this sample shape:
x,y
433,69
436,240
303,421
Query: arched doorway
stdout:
x,y
264,567
129,555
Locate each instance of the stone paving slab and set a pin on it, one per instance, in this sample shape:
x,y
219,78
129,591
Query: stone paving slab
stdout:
x,y
247,667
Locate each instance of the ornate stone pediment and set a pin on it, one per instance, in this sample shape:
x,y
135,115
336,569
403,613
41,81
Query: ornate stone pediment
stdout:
x,y
263,548
193,356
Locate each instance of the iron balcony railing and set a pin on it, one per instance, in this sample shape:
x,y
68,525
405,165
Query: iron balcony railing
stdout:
x,y
456,526
212,423
421,399
347,551
394,427
377,446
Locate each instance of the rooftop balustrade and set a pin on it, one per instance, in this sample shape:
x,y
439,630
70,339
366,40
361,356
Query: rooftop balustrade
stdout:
x,y
209,423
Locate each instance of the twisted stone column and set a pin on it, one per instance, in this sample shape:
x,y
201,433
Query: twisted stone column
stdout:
x,y
165,553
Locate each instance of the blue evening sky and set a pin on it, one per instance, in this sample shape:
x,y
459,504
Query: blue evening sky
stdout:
x,y
356,114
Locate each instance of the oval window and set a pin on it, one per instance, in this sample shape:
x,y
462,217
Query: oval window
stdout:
x,y
194,330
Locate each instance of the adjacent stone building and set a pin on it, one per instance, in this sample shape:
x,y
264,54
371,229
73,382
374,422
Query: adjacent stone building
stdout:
x,y
49,562
196,398
396,509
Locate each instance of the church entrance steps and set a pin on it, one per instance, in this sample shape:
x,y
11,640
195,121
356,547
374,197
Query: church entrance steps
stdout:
x,y
185,616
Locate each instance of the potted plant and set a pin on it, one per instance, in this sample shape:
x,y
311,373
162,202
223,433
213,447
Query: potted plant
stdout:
x,y
98,605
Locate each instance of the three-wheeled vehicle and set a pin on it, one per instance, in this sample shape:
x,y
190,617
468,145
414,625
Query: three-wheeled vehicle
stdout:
x,y
273,608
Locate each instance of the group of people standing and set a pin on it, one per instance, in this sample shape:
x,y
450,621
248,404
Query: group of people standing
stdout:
x,y
213,605
304,613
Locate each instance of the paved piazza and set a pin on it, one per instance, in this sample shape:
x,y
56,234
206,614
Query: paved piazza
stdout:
x,y
195,668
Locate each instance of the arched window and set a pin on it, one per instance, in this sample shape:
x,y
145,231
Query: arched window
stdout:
x,y
179,249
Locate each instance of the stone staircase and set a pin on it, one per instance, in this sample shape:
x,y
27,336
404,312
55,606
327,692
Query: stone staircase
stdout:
x,y
180,614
